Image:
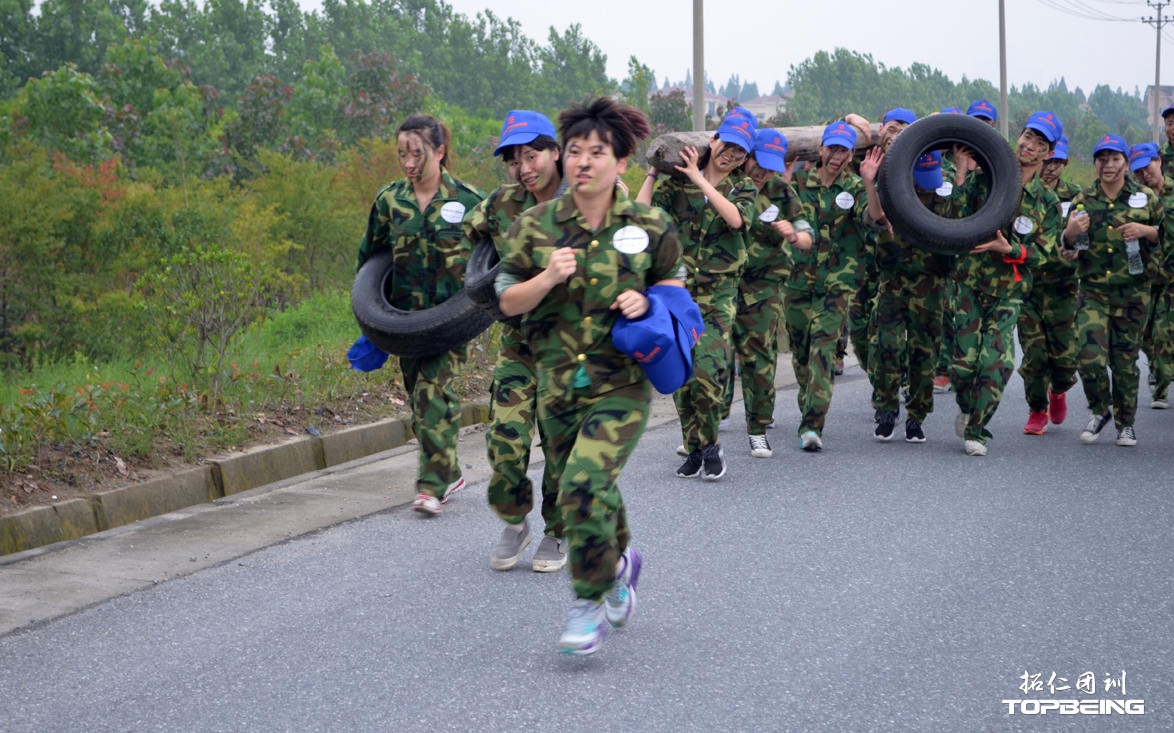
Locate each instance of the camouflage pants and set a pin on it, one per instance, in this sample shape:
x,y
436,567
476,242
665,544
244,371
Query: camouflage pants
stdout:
x,y
756,344
512,416
436,417
1047,336
1109,326
701,400
907,339
1162,355
983,358
590,438
947,350
814,322
858,324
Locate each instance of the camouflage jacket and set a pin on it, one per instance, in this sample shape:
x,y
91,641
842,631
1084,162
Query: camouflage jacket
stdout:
x,y
1168,157
839,258
1105,264
634,248
1033,237
768,259
430,248
899,256
714,253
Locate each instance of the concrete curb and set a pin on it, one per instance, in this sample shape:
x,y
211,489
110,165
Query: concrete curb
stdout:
x,y
220,477
228,475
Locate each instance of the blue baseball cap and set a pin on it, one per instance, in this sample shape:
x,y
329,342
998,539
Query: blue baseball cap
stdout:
x,y
1168,111
839,133
523,126
1061,150
1046,124
1116,143
736,109
738,129
770,150
364,356
927,171
900,114
951,110
983,108
1141,154
662,340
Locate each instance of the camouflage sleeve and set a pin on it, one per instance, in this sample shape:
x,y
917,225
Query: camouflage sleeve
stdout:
x,y
516,262
667,264
376,235
1159,251
744,196
478,222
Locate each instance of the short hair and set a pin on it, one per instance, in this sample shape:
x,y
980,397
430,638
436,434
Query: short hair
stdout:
x,y
542,142
434,133
619,125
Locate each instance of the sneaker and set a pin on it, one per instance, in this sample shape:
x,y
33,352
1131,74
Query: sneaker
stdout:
x,y
913,431
960,424
1057,406
713,460
772,425
1096,424
1126,436
620,601
941,384
810,442
1037,423
884,428
904,395
759,447
427,504
453,488
838,369
691,468
1160,403
974,448
878,415
682,450
507,551
551,555
585,627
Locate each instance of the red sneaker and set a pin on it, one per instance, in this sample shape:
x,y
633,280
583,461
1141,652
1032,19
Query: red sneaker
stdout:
x,y
1037,422
941,383
1057,406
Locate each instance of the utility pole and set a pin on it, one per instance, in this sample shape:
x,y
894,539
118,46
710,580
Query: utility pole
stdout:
x,y
698,66
1155,98
1004,112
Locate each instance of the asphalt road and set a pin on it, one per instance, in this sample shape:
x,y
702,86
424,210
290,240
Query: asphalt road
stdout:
x,y
870,587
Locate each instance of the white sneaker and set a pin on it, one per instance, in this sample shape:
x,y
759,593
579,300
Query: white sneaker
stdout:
x,y
974,448
759,447
772,425
1092,431
1126,436
1160,403
427,504
682,450
453,488
810,441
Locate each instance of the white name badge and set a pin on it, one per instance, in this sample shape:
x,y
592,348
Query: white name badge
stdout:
x,y
1064,206
1138,200
945,189
453,212
630,240
1024,225
845,200
771,213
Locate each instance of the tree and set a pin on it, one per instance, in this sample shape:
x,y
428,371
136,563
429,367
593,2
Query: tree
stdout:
x,y
670,112
572,68
639,84
63,112
377,95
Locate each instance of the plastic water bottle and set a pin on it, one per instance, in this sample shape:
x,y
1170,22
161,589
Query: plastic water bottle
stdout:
x,y
1082,239
1133,252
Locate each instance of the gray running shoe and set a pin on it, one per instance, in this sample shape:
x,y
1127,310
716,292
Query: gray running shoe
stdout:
x,y
509,548
551,555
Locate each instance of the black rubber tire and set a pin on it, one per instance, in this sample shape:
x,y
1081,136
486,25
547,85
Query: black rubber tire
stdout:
x,y
411,334
480,274
912,220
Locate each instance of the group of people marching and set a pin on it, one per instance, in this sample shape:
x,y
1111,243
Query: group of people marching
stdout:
x,y
1081,275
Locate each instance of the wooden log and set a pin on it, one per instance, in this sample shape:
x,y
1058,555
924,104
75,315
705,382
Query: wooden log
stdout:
x,y
664,152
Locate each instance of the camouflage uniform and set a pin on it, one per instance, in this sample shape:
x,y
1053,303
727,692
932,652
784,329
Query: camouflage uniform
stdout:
x,y
990,288
1113,303
819,290
714,255
1047,319
908,315
1159,328
593,400
514,394
429,267
760,302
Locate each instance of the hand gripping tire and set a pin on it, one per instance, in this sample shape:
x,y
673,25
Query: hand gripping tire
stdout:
x,y
480,274
411,334
912,220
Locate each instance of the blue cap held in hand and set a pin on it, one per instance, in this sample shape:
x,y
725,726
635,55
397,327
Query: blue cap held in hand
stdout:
x,y
662,340
364,356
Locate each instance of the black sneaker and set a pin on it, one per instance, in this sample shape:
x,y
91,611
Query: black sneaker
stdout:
x,y
691,468
884,428
713,463
1096,423
913,431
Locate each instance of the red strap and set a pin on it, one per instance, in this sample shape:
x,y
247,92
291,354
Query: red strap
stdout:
x,y
1015,262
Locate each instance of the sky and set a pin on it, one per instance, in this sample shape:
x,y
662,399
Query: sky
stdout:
x,y
1087,42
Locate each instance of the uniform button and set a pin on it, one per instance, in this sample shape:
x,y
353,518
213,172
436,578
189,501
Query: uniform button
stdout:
x,y
1110,250
1110,227
582,357
594,281
1108,273
586,319
594,242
